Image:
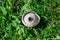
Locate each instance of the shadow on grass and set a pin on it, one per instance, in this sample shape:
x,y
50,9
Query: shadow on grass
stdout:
x,y
43,22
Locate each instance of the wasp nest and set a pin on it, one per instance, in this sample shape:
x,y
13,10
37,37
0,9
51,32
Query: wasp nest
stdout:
x,y
30,19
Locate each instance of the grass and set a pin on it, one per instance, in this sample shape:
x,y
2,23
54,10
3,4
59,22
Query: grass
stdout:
x,y
11,27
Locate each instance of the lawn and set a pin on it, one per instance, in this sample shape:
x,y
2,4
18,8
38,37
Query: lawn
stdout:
x,y
12,28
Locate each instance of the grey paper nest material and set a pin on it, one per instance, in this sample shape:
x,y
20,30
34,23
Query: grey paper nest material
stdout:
x,y
30,19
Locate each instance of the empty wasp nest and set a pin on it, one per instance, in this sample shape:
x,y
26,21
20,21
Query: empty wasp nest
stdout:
x,y
30,19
